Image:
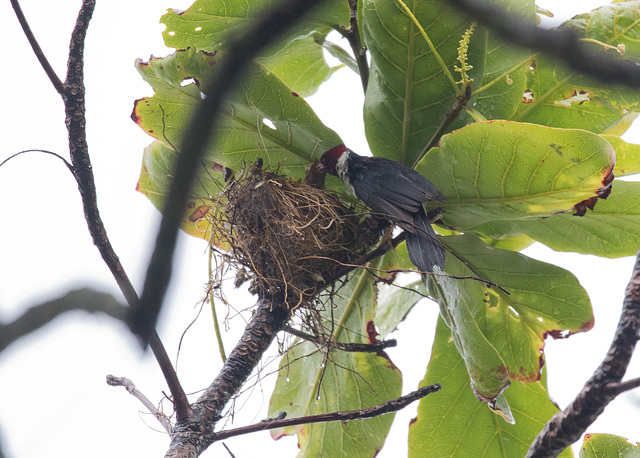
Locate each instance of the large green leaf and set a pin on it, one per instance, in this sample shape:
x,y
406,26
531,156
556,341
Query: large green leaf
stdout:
x,y
611,230
608,446
262,118
297,59
158,162
408,92
502,170
462,308
544,300
454,424
559,97
344,381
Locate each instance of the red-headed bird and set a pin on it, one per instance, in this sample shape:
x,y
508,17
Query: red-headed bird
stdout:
x,y
393,190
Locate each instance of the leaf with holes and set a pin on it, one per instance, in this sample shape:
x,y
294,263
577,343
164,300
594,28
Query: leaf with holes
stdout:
x,y
296,58
502,170
412,86
454,424
261,119
559,97
343,381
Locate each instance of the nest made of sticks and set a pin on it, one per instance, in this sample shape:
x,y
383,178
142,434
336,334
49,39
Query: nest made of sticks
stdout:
x,y
290,236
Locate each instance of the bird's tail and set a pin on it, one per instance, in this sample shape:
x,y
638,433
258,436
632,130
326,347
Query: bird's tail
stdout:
x,y
425,250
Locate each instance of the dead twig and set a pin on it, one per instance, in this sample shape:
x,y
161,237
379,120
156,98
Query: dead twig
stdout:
x,y
390,406
135,392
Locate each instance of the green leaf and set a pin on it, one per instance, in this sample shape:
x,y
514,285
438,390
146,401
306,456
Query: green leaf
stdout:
x,y
158,163
339,53
562,98
262,118
409,91
453,424
544,300
611,230
297,59
499,68
462,308
349,381
627,156
607,446
516,243
502,170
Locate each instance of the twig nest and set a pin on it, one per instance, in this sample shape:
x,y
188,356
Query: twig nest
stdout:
x,y
290,236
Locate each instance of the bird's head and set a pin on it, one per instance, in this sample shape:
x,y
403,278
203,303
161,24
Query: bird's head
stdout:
x,y
329,159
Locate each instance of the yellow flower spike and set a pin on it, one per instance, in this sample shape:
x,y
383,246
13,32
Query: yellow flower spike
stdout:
x,y
462,56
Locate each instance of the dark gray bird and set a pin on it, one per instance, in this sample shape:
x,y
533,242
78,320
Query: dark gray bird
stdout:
x,y
396,191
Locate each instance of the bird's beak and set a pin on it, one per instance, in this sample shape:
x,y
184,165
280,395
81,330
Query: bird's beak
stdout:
x,y
321,168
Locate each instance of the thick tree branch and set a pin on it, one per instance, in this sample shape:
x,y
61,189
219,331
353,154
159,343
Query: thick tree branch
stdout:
x,y
567,426
40,315
559,43
193,435
392,405
37,50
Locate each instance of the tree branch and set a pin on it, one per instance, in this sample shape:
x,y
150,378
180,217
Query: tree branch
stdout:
x,y
352,34
350,347
620,387
40,315
559,43
566,427
74,102
392,405
37,50
193,435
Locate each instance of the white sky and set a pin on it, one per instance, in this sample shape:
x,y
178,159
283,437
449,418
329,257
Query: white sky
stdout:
x,y
53,398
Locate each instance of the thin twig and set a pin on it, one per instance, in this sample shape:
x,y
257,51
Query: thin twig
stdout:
x,y
393,405
556,42
135,392
566,427
37,50
350,347
214,312
66,163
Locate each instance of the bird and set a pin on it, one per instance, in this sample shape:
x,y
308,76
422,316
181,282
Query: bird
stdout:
x,y
395,191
